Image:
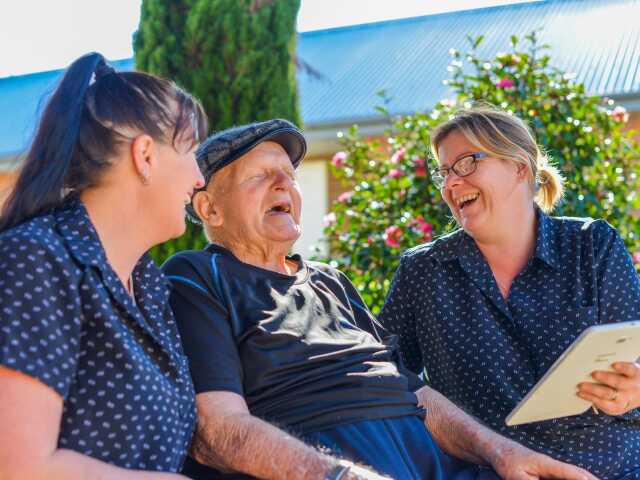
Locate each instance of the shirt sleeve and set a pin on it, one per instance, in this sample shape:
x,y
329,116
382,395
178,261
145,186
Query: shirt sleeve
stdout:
x,y
205,331
397,316
618,282
366,321
40,319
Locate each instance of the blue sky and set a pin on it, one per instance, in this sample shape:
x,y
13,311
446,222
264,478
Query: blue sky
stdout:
x,y
38,35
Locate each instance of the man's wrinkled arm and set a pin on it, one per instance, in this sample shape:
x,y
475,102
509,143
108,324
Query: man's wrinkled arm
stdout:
x,y
456,432
229,438
460,435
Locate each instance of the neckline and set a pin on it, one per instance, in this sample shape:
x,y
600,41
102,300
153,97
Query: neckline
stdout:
x,y
298,277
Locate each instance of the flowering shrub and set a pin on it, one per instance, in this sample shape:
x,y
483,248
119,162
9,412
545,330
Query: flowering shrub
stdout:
x,y
391,204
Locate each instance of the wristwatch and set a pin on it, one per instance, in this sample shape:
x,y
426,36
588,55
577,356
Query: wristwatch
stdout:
x,y
339,471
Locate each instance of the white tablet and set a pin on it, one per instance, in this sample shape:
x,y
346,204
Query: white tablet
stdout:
x,y
596,348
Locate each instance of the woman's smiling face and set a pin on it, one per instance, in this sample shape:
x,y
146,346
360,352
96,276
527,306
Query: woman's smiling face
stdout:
x,y
480,201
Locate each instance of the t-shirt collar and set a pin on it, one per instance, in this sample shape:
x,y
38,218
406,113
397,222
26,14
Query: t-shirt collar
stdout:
x,y
300,276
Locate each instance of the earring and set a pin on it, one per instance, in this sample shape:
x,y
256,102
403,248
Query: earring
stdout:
x,y
144,178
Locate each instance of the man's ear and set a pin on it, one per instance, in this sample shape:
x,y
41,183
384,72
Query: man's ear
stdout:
x,y
207,209
142,152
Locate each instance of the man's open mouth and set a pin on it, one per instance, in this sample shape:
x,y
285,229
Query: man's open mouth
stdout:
x,y
283,207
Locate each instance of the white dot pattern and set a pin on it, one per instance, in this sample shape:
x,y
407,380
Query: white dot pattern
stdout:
x,y
485,353
67,320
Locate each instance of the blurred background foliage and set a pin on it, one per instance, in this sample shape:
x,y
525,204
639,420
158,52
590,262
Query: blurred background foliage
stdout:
x,y
390,203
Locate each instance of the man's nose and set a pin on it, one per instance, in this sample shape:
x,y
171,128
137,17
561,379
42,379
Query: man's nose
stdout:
x,y
283,179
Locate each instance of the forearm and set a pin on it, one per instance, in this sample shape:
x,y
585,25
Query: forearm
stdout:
x,y
244,443
70,465
458,433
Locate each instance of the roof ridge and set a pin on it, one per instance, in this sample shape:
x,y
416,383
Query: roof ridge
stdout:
x,y
418,18
57,70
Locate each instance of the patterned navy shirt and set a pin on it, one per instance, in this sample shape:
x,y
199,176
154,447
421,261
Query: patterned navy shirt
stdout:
x,y
67,320
485,353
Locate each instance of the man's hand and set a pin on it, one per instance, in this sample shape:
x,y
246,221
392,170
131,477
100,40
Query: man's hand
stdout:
x,y
617,392
512,461
460,435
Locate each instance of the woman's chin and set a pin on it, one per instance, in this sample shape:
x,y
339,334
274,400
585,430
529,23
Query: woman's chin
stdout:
x,y
179,227
469,223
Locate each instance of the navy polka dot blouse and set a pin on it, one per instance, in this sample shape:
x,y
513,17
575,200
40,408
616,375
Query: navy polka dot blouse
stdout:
x,y
67,320
485,353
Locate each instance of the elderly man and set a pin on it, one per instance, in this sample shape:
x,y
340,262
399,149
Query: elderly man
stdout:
x,y
294,377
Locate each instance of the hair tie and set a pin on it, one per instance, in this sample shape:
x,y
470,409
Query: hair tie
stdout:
x,y
102,70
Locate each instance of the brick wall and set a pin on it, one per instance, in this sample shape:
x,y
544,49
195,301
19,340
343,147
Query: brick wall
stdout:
x,y
634,124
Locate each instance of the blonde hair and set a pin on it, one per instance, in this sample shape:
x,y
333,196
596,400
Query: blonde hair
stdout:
x,y
505,136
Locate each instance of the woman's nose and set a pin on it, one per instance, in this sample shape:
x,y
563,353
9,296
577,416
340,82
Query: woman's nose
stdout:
x,y
451,180
199,178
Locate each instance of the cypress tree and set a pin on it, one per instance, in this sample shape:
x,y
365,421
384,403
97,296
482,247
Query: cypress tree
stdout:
x,y
158,43
235,56
240,57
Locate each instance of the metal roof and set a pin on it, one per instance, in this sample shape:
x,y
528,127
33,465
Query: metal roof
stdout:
x,y
599,40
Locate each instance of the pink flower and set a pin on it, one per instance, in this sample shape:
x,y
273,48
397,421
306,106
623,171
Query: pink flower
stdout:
x,y
392,236
505,83
395,173
418,162
398,156
620,114
424,227
421,172
636,257
329,219
338,159
345,196
427,232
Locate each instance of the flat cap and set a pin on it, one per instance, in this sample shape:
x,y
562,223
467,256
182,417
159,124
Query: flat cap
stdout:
x,y
226,146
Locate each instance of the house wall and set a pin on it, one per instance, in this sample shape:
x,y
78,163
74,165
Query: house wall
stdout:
x,y
313,177
634,123
6,181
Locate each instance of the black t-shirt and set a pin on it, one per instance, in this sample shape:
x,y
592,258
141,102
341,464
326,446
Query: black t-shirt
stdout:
x,y
303,350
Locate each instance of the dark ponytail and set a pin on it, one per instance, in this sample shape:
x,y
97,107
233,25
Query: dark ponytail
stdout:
x,y
83,123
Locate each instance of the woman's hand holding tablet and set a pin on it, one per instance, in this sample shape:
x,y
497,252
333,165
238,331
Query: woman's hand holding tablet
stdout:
x,y
616,392
567,389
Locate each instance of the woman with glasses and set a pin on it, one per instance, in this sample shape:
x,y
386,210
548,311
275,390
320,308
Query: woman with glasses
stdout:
x,y
487,309
93,381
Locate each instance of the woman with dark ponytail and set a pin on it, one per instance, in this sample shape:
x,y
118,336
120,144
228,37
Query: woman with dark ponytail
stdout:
x,y
93,380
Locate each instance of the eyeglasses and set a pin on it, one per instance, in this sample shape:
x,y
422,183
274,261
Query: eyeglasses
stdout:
x,y
462,167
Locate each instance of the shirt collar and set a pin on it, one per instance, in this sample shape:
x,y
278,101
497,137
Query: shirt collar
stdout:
x,y
546,240
75,227
150,285
81,237
462,244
